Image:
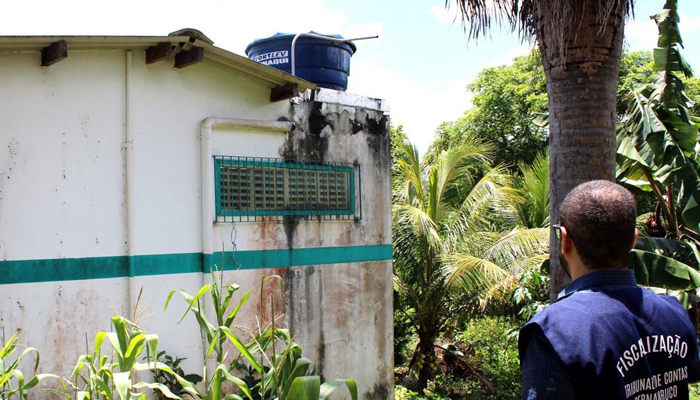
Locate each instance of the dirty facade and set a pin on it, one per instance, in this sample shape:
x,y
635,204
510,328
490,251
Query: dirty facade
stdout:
x,y
111,186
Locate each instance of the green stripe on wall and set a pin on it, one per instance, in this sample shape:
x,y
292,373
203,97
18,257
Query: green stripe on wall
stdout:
x,y
68,269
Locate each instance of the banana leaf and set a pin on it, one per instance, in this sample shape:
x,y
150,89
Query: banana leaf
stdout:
x,y
662,263
665,263
656,140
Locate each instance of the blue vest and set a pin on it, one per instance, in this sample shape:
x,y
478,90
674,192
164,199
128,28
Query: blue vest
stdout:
x,y
620,342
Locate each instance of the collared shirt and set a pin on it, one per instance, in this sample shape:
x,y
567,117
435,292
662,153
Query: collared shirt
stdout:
x,y
600,280
543,372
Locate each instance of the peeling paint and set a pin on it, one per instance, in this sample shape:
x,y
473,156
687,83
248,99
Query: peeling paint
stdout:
x,y
340,314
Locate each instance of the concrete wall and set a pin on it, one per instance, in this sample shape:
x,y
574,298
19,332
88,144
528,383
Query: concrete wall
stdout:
x,y
63,209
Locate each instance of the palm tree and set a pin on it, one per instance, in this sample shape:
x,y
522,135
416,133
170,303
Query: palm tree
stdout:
x,y
533,184
455,237
581,44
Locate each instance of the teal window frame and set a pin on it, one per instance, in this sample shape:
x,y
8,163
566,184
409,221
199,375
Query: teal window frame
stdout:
x,y
280,164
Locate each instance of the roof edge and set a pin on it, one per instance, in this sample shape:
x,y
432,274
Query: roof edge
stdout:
x,y
270,75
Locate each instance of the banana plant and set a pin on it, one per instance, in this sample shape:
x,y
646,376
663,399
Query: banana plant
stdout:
x,y
98,376
10,372
657,143
657,152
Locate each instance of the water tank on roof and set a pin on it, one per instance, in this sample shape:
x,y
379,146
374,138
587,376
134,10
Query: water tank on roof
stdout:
x,y
321,61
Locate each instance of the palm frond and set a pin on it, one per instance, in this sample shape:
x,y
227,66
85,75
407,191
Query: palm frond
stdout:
x,y
517,245
408,166
552,21
497,293
521,265
466,272
490,196
456,166
533,209
419,222
477,242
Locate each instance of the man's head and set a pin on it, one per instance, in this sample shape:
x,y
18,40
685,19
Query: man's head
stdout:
x,y
599,219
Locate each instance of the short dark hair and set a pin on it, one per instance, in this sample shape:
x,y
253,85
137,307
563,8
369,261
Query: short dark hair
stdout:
x,y
600,217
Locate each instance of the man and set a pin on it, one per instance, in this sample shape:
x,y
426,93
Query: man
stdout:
x,y
605,337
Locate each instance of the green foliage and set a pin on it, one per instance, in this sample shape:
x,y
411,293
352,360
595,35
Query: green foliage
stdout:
x,y
496,353
402,393
456,239
97,376
506,101
217,334
657,141
531,294
694,391
692,90
10,372
666,263
533,184
404,331
635,69
480,362
282,372
171,381
288,375
283,375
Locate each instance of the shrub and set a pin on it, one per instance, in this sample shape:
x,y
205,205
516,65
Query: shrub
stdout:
x,y
170,381
496,353
402,393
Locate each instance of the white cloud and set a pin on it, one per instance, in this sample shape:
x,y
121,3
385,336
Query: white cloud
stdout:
x,y
507,58
451,13
363,29
689,24
418,107
446,15
231,24
641,34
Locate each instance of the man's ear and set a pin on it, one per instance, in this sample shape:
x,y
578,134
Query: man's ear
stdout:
x,y
636,236
566,243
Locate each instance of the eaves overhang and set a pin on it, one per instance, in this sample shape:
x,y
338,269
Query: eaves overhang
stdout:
x,y
272,76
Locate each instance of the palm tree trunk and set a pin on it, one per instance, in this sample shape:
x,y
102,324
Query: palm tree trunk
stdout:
x,y
582,114
423,359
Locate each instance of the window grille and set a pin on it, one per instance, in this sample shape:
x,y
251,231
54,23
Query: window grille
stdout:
x,y
253,188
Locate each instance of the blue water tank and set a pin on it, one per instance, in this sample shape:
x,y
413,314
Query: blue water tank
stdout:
x,y
320,61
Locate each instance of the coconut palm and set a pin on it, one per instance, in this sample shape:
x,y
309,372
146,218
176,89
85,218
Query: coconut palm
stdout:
x,y
455,238
580,43
533,183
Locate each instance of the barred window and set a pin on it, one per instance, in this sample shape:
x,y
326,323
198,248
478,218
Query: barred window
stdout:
x,y
247,188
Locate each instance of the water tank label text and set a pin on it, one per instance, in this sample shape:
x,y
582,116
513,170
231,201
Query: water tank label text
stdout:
x,y
273,57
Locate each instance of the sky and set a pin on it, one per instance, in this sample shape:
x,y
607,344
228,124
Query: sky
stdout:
x,y
421,62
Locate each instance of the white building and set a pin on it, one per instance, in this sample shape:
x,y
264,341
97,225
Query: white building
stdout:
x,y
110,182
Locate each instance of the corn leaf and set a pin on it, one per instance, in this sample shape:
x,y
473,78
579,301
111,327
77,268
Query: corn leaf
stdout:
x,y
304,388
329,387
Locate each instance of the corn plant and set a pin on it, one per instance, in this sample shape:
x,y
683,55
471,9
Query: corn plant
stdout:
x,y
217,333
10,372
285,375
290,376
99,376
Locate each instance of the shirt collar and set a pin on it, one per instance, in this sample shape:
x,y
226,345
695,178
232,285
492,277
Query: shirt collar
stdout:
x,y
617,277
